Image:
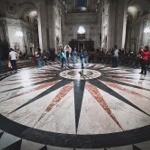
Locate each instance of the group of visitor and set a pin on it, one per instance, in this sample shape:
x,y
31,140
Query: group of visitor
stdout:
x,y
68,55
144,57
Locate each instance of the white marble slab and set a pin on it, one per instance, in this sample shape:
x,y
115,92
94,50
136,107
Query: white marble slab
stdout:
x,y
93,118
89,149
140,100
58,148
61,118
28,145
10,105
7,140
30,114
121,148
128,117
144,145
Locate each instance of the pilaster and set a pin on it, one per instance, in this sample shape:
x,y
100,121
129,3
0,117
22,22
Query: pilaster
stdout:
x,y
117,23
111,24
42,25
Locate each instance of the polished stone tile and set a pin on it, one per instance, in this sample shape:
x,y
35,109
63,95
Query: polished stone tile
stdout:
x,y
7,139
56,110
121,148
144,145
94,119
61,118
58,148
128,117
28,145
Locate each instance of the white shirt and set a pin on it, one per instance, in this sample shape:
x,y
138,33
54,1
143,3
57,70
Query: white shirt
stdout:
x,y
13,55
116,53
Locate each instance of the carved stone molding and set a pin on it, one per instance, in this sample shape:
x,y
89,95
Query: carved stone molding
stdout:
x,y
50,2
3,22
11,7
13,22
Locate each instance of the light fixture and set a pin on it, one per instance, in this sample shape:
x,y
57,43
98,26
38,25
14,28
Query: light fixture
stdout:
x,y
33,13
81,30
19,33
147,30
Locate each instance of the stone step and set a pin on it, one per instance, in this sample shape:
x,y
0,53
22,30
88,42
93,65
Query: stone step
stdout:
x,y
20,64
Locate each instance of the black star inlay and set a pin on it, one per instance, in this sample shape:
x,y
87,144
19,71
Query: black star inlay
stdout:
x,y
78,97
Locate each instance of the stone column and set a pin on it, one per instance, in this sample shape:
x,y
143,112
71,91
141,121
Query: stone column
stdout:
x,y
51,23
141,32
117,23
42,25
111,24
120,27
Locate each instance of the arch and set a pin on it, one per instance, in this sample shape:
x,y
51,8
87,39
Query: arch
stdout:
x,y
134,11
142,5
135,27
137,8
26,8
2,9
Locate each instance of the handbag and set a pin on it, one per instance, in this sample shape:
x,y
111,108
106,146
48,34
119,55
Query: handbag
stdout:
x,y
9,64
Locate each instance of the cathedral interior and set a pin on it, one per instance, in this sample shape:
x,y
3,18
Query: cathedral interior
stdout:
x,y
95,108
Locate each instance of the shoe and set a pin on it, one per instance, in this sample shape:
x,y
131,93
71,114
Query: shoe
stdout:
x,y
141,73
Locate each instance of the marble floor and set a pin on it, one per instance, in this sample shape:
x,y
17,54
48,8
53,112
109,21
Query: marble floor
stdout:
x,y
98,107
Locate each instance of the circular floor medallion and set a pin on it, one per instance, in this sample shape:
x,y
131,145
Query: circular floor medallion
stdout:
x,y
80,74
76,108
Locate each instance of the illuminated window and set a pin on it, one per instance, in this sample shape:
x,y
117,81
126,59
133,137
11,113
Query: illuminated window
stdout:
x,y
19,34
81,30
81,3
147,30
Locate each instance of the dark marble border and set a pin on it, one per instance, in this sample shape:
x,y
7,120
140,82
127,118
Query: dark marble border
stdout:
x,y
74,140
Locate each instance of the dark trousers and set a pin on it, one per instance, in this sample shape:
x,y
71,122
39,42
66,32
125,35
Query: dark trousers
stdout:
x,y
14,64
115,62
143,66
62,62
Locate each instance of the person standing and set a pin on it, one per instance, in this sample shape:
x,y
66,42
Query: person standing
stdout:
x,y
145,53
13,59
86,56
63,58
45,57
139,54
82,58
67,58
74,55
67,52
115,57
39,58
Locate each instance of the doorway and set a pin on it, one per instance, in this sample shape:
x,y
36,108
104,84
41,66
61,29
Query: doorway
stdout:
x,y
81,46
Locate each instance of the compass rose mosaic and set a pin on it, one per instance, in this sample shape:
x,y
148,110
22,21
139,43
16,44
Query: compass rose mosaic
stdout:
x,y
94,107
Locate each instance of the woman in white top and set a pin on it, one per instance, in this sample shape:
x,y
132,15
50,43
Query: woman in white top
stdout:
x,y
13,59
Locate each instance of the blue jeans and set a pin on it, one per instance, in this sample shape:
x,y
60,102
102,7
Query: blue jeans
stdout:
x,y
39,62
82,63
67,61
74,59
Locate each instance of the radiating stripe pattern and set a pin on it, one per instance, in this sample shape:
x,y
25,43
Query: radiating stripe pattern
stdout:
x,y
95,100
